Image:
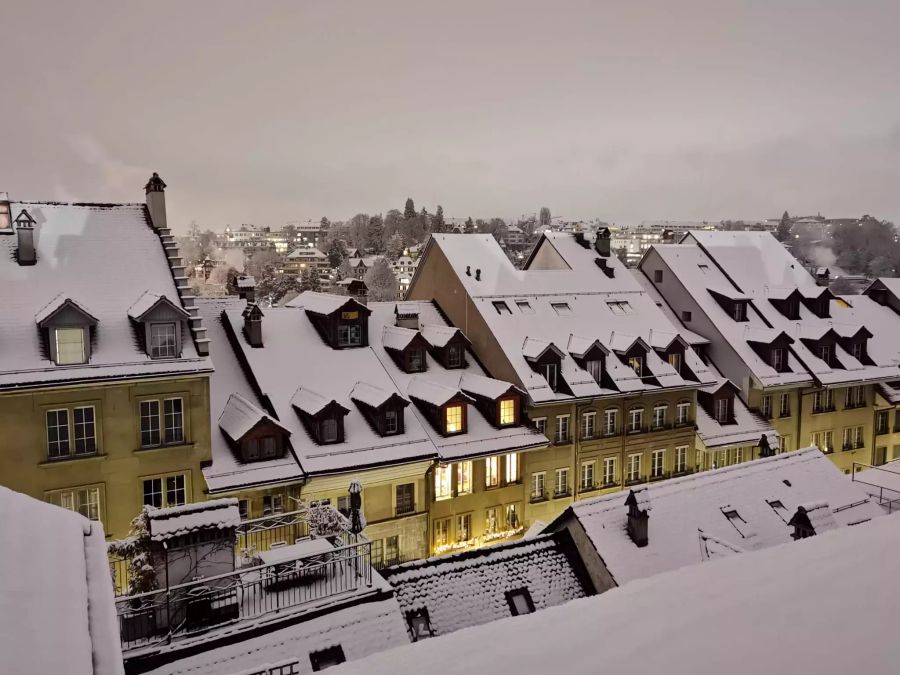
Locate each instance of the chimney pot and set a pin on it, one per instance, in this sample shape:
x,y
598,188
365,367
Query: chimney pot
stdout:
x,y
478,275
468,270
156,201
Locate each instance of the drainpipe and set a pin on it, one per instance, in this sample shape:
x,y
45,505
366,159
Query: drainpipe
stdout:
x,y
168,596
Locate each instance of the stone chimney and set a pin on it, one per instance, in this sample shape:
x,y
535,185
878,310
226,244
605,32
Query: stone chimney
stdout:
x,y
156,201
25,252
603,243
253,325
638,525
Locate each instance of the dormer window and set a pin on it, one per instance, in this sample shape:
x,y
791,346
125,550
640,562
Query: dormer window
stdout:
x,y
550,372
825,353
382,408
508,411
322,418
253,435
595,368
349,334
857,349
722,408
391,422
636,363
416,361
674,360
454,419
454,356
779,359
739,311
5,224
163,341
328,430
69,346
66,328
159,322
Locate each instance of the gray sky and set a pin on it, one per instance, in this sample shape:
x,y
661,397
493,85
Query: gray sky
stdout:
x,y
265,112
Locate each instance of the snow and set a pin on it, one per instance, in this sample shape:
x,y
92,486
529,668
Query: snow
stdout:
x,y
148,301
485,386
309,401
371,396
57,613
820,516
747,428
246,282
221,514
74,242
422,388
398,338
323,303
684,506
57,304
439,336
823,605
240,416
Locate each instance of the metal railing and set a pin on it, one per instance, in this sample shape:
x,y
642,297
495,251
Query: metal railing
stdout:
x,y
889,501
258,534
167,614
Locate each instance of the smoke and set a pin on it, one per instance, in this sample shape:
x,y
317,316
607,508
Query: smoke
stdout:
x,y
823,256
234,257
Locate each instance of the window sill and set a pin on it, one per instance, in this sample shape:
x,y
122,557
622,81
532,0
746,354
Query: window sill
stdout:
x,y
587,488
561,495
609,434
608,486
855,406
882,432
661,427
538,500
822,411
660,477
686,423
636,481
634,432
72,458
567,441
403,514
173,446
683,472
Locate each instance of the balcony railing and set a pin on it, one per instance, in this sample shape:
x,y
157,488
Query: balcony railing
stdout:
x,y
164,615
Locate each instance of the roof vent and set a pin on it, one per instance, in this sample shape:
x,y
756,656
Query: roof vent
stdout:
x,y
607,270
468,271
25,253
478,274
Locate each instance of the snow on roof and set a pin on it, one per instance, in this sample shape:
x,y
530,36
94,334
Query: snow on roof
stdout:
x,y
485,386
407,308
820,516
436,394
306,252
309,401
439,336
395,337
371,395
682,506
882,321
240,416
174,521
747,428
73,242
56,584
773,611
323,303
468,589
57,304
246,282
148,301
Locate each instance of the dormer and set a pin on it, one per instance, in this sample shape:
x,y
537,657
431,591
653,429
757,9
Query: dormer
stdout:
x,y
382,409
26,254
824,347
671,347
66,329
718,401
447,345
545,358
500,402
855,341
253,435
322,418
159,322
253,317
445,408
819,303
342,322
590,355
633,353
735,304
773,347
406,347
787,302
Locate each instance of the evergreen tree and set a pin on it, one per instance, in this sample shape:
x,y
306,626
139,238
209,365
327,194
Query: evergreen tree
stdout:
x,y
394,248
309,280
336,252
381,282
783,231
410,210
437,223
544,217
375,234
469,226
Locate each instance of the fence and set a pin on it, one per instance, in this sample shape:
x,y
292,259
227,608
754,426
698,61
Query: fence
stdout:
x,y
887,492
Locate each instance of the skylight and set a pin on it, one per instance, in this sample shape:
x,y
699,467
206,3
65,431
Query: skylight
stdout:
x,y
502,307
524,306
703,268
737,521
561,307
620,307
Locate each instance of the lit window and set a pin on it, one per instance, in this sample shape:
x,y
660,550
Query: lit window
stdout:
x,y
442,482
162,341
520,602
512,516
491,522
507,411
5,225
675,361
69,346
512,467
464,478
636,363
463,527
453,417
492,472
441,532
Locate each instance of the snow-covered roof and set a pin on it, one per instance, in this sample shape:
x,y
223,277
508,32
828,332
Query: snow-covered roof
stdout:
x,y
684,506
398,338
56,304
323,303
102,257
746,428
305,252
371,395
468,589
148,301
773,611
485,386
246,282
241,415
308,401
57,613
174,521
439,336
435,393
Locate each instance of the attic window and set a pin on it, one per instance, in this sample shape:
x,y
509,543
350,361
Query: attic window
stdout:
x,y
520,602
779,362
636,363
778,507
703,268
595,368
501,307
349,335
620,307
69,346
454,356
561,307
163,341
524,306
416,361
391,422
739,311
550,373
453,419
507,411
326,658
736,521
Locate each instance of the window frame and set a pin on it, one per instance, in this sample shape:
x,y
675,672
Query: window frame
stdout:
x,y
459,415
517,597
165,490
55,497
409,499
561,433
589,424
538,485
84,350
607,463
492,471
561,484
681,454
443,482
155,351
658,463
586,477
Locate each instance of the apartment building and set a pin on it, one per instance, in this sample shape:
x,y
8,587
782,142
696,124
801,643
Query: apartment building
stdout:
x,y
104,374
800,356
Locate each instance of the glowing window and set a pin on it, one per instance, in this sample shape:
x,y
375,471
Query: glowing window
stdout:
x,y
507,411
464,478
512,467
454,419
442,482
492,472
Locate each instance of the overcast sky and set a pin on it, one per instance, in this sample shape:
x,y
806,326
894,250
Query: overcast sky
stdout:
x,y
265,112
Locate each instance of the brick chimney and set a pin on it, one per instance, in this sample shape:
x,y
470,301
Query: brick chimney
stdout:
x,y
603,243
156,201
25,252
638,525
253,325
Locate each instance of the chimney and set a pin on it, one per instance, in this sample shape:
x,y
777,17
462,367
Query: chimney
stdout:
x,y
581,241
478,275
602,243
668,237
156,201
253,325
468,270
638,503
25,253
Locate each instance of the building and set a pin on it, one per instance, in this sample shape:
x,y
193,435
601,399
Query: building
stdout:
x,y
608,378
306,257
57,613
104,374
713,514
799,355
772,611
246,237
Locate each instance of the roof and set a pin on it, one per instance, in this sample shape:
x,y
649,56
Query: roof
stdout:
x,y
683,507
398,338
468,589
69,563
73,242
773,611
372,396
431,392
323,303
488,387
240,416
148,301
55,305
439,335
218,514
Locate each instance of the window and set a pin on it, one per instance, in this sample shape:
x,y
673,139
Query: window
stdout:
x,y
737,521
463,527
454,356
682,413
162,341
823,440
739,311
778,359
549,372
392,549
512,468
765,406
595,368
149,424
857,350
853,438
881,422
501,307
349,335
825,353
784,407
657,276
635,420
660,412
512,516
588,424
823,400
610,421
173,411
562,429
326,658
406,498
57,433
343,505
165,492
609,471
244,509
674,360
441,532
453,416
69,346
416,361
636,363
524,307
492,472
562,482
722,410
85,433
85,501
520,602
443,482
464,478
854,397
273,504
537,485
329,430
507,411
587,476
391,422
491,522
685,316
252,448
561,308
269,447
658,466
703,268
419,624
633,468
540,423
620,307
681,458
